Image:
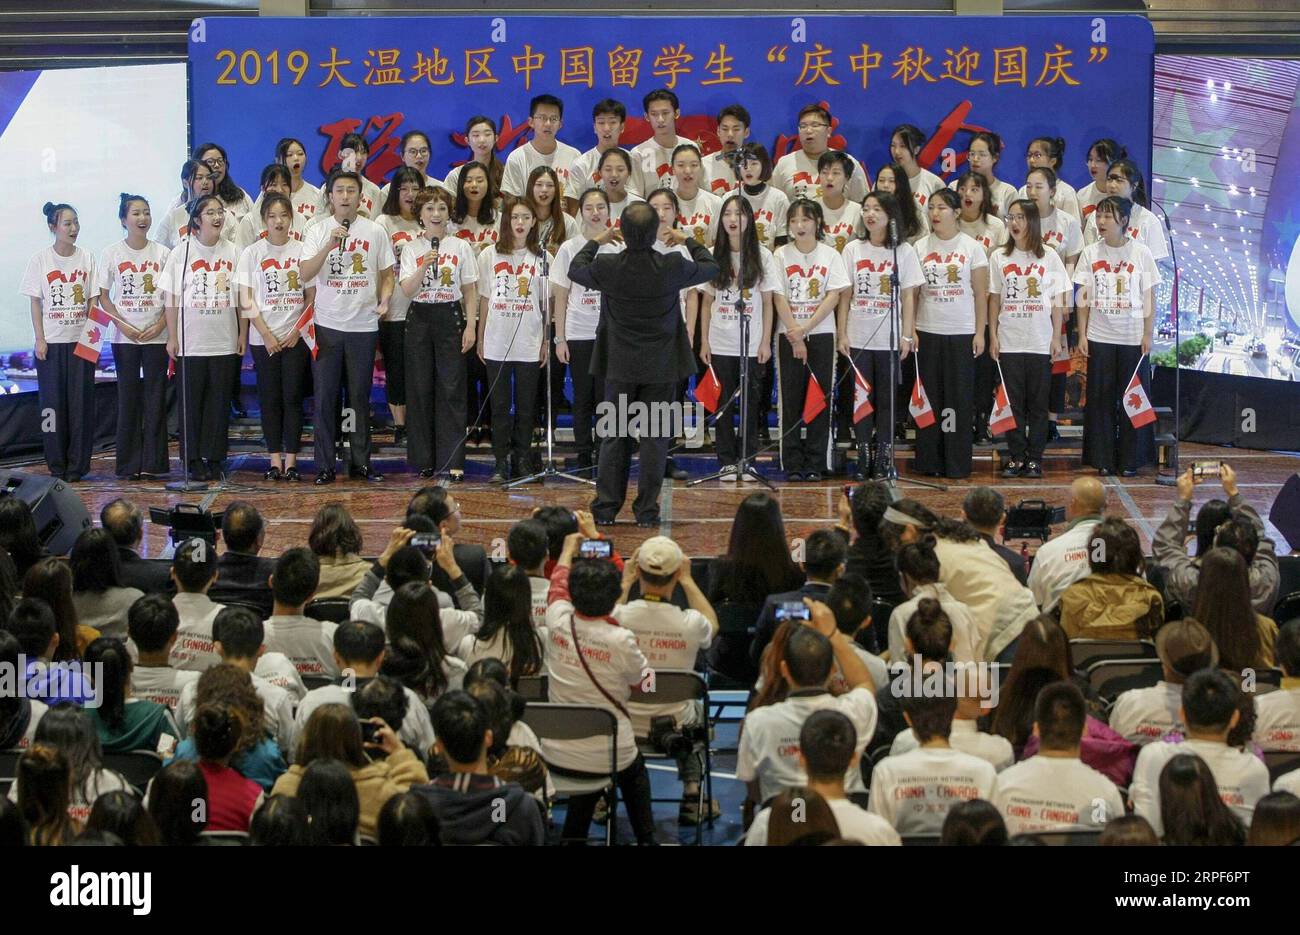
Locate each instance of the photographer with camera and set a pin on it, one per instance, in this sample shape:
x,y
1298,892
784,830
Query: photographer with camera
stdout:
x,y
1062,561
670,638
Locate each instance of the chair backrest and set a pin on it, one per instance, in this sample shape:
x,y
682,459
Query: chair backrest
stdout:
x,y
570,721
736,619
8,768
316,681
1281,762
1080,837
225,838
534,688
1287,608
137,766
670,686
1110,678
1084,653
331,609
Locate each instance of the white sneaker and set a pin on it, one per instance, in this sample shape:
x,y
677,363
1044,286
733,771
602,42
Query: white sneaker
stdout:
x,y
750,477
729,474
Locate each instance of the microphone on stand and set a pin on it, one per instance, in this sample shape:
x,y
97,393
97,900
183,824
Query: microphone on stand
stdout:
x,y
893,231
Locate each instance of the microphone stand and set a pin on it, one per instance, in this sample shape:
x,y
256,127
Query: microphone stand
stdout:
x,y
743,470
186,484
1171,479
548,328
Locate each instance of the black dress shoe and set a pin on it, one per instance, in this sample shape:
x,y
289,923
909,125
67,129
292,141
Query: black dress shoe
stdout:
x,y
1104,472
1013,469
603,520
273,474
648,523
673,472
136,476
428,473
500,473
74,478
399,436
1032,469
1129,472
291,474
365,473
324,477
813,476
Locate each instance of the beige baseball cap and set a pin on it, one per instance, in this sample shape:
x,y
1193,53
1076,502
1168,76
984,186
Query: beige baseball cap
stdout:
x,y
659,555
1184,643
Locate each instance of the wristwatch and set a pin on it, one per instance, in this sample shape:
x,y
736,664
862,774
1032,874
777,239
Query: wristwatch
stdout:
x,y
909,340
557,340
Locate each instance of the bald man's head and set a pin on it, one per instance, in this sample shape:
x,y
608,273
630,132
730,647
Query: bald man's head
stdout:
x,y
1087,496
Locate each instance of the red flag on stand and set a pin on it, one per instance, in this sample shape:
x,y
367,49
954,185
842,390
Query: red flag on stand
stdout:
x,y
708,390
919,405
814,400
93,333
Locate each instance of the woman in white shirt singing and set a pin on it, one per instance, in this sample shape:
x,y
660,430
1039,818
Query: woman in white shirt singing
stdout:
x,y
905,145
234,198
982,158
1100,155
304,196
60,281
510,336
1048,152
272,296
481,135
130,292
397,218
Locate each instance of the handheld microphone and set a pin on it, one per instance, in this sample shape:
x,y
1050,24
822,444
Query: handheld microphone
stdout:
x,y
347,225
433,244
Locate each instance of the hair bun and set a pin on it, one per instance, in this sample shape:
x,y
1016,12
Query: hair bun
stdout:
x,y
49,206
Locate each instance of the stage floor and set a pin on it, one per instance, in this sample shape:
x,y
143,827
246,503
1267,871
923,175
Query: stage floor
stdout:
x,y
699,518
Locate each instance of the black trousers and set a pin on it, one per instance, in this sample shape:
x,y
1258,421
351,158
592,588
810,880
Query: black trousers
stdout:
x,y
279,394
633,788
986,381
513,381
435,387
1109,439
206,409
477,408
874,366
587,395
66,385
350,355
1028,378
946,367
728,415
616,452
555,374
392,345
810,449
141,408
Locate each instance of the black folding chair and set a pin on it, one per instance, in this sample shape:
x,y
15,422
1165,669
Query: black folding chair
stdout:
x,y
580,722
1281,762
138,767
533,688
676,687
311,682
1110,678
9,768
329,609
1083,653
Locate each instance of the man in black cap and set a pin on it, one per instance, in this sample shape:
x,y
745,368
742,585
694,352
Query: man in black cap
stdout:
x,y
642,351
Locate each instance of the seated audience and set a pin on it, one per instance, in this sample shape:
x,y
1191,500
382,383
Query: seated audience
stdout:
x,y
919,570
927,637
258,756
50,580
440,506
282,821
336,541
828,750
32,624
124,521
850,600
1210,710
242,576
19,714
69,730
42,786
408,820
124,816
1055,790
510,631
152,624
984,509
973,823
1063,559
232,798
400,564
527,547
332,802
1276,822
308,643
824,554
1114,602
516,753
123,722
194,571
1141,715
98,592
1192,807
800,817
1277,721
1244,636
1128,831
418,640
170,801
859,515
18,535
1233,524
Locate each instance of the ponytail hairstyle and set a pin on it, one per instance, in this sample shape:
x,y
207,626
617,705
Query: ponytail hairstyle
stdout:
x,y
53,211
1134,176
911,213
930,629
986,193
110,690
1055,146
217,731
809,209
1034,237
912,137
751,260
282,149
392,204
44,792
889,204
275,171
124,204
992,140
495,167
188,172
229,192
554,220
275,198
918,561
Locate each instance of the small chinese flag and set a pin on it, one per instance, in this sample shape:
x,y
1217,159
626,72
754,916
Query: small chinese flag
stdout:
x,y
93,333
919,405
814,400
1001,419
1136,403
708,390
861,396
306,326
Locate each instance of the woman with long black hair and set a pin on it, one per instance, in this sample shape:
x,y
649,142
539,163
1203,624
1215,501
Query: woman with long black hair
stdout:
x,y
481,135
397,218
905,145
1048,152
982,157
1100,155
304,196
892,180
1124,179
507,633
234,198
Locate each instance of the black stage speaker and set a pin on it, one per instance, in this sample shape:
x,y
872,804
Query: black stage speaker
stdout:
x,y
59,513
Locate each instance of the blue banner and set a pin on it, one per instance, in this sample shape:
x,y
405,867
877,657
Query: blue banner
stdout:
x,y
1078,77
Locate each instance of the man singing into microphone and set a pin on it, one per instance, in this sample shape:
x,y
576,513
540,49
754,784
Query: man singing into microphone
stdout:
x,y
352,262
642,350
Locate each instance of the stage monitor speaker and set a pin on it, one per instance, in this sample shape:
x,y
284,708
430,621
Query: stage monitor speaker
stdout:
x,y
59,513
1285,513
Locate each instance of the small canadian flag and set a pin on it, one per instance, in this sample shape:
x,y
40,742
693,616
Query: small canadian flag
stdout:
x,y
919,405
306,326
1001,419
1136,402
93,333
861,396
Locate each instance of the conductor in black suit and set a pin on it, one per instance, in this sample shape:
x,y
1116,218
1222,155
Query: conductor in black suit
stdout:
x,y
642,350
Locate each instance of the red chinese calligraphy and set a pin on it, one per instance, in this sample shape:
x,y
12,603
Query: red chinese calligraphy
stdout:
x,y
384,155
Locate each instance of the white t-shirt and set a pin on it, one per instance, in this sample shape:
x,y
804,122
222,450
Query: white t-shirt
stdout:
x,y
508,281
1242,779
699,216
806,278
947,299
210,325
64,285
443,281
1003,194
1143,715
1065,198
652,166
582,311
583,174
914,792
968,738
841,225
1277,723
401,233
1143,226
160,684
194,650
306,202
277,670
989,232
477,234
522,161
924,184
347,286
1089,197
133,279
251,229
416,730
870,270
724,323
308,644
175,226
796,174
1028,286
1050,793
1288,782
769,740
1059,563
855,824
669,638
277,708
616,208
272,273
770,208
99,782
1115,280
1062,233
965,642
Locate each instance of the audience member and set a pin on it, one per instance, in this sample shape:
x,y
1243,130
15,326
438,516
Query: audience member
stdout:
x,y
438,504
69,729
1191,805
510,630
332,802
973,823
860,512
417,642
123,815
32,623
920,572
336,541
13,829
1276,822
401,564
19,715
799,816
1141,715
824,554
1114,601
306,642
124,521
1128,831
927,638
1277,722
42,786
171,799
282,821
259,756
1063,560
527,547
232,798
1245,637
516,753
984,509
123,722
194,571
408,820
850,600
152,623
50,580
98,593
9,593
242,576
18,535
